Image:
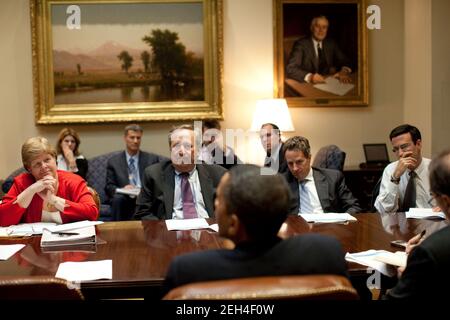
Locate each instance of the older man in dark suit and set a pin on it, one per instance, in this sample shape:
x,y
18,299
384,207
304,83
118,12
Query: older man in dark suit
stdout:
x,y
125,170
315,57
250,209
315,190
179,188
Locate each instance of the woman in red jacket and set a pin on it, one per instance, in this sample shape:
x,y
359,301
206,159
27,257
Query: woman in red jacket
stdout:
x,y
45,194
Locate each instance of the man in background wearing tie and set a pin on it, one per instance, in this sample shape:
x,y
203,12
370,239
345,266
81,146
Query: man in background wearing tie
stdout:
x,y
405,182
270,136
315,190
179,188
314,58
125,170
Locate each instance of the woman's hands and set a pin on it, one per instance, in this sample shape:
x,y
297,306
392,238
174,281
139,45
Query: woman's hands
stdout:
x,y
69,156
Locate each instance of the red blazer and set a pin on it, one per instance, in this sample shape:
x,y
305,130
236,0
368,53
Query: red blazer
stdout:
x,y
72,188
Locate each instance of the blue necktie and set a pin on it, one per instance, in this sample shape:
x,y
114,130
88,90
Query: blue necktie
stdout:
x,y
305,200
132,172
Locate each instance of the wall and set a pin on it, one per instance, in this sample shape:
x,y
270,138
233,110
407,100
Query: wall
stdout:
x,y
248,65
440,76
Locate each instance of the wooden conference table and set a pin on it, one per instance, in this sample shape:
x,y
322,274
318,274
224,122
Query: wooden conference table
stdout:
x,y
142,250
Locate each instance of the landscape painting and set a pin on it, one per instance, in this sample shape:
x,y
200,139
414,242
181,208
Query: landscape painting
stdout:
x,y
158,59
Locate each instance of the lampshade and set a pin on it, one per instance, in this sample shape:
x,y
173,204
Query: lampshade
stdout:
x,y
274,111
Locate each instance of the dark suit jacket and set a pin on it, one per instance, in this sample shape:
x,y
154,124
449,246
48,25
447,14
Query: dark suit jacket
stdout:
x,y
117,170
157,194
427,274
306,254
282,164
334,196
303,58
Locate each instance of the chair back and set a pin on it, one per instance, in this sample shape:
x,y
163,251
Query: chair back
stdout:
x,y
96,197
375,193
37,288
331,157
96,176
303,287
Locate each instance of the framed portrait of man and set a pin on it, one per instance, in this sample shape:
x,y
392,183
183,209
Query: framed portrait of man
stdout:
x,y
321,53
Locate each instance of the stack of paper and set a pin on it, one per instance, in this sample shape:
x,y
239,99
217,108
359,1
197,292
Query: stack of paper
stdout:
x,y
423,213
69,234
327,217
380,260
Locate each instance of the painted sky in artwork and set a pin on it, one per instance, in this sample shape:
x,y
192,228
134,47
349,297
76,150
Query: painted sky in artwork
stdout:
x,y
127,24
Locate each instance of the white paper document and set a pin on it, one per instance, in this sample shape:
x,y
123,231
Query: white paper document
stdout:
x,y
334,86
327,217
8,250
72,226
25,229
214,227
370,258
186,224
423,213
85,271
131,192
398,258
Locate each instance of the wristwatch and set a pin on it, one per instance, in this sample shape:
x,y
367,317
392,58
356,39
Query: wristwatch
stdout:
x,y
394,180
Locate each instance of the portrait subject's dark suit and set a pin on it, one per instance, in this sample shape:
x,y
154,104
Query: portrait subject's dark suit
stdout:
x,y
122,206
306,254
158,189
334,195
427,274
303,59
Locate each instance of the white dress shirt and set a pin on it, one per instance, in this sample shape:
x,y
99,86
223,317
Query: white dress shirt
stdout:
x,y
391,194
310,185
177,212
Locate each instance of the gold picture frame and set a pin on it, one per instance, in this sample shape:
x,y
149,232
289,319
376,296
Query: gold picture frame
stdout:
x,y
296,58
82,51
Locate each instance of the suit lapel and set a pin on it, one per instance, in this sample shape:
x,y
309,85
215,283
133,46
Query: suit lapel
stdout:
x,y
168,187
207,189
322,189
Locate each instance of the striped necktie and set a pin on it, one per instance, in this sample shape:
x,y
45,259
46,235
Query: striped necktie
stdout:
x,y
132,171
305,200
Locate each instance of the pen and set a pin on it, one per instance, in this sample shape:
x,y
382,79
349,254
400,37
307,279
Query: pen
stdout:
x,y
66,233
422,234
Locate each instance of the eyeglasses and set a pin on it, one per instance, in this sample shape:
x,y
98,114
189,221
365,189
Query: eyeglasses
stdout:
x,y
432,202
404,147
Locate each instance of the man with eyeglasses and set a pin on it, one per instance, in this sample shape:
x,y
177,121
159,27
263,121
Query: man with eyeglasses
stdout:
x,y
405,184
426,276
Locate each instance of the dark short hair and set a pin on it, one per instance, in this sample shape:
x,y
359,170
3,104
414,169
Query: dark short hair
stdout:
x,y
406,128
132,127
260,201
211,124
440,174
298,143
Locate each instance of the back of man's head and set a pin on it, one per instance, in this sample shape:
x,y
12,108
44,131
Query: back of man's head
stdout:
x,y
440,174
261,202
406,128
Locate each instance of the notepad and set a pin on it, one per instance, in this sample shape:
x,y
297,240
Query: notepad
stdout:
x,y
398,258
129,191
369,258
81,236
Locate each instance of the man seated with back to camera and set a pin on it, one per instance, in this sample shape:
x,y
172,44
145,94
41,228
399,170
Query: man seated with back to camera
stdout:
x,y
250,209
